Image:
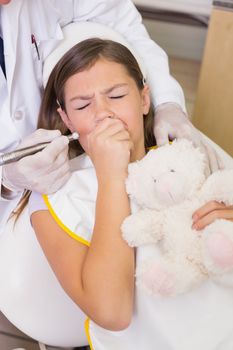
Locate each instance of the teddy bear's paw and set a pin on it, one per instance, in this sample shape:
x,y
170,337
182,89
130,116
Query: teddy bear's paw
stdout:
x,y
129,232
156,280
218,248
136,230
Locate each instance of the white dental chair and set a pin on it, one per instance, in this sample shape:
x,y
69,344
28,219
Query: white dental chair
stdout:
x,y
30,295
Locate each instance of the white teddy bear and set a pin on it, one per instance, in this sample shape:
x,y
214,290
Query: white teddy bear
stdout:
x,y
165,189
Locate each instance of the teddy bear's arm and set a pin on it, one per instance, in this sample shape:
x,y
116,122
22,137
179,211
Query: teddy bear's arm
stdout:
x,y
143,227
219,187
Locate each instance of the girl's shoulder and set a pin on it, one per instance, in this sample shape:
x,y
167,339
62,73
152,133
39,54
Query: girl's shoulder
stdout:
x,y
73,206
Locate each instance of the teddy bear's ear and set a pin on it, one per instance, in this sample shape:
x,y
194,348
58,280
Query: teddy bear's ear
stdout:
x,y
183,144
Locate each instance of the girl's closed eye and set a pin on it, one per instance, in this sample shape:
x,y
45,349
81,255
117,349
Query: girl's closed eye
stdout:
x,y
118,92
82,107
117,96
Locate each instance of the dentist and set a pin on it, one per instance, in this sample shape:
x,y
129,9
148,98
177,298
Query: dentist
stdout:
x,y
30,30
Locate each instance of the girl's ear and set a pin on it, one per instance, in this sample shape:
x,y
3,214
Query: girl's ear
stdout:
x,y
65,119
146,99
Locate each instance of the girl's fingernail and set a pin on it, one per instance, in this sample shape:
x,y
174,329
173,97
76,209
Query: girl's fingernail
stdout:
x,y
195,217
194,227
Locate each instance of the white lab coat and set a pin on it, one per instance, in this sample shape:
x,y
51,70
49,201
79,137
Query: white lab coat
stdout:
x,y
20,94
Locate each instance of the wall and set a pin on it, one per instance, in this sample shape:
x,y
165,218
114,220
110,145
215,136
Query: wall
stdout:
x,y
201,7
182,40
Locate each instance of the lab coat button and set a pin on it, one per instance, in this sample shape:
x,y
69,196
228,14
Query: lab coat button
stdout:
x,y
18,115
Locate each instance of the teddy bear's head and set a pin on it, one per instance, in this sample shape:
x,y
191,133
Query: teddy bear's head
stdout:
x,y
166,175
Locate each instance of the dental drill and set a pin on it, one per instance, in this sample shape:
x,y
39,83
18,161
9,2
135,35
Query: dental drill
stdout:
x,y
16,155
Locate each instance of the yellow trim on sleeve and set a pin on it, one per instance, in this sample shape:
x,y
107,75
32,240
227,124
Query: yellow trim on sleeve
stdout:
x,y
155,147
87,327
152,147
60,223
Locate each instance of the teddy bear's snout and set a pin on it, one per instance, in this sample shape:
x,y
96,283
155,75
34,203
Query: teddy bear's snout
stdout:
x,y
165,182
168,189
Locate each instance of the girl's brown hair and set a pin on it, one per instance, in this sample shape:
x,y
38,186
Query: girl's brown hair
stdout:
x,y
79,58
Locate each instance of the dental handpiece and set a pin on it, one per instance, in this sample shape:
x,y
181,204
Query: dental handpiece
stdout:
x,y
16,155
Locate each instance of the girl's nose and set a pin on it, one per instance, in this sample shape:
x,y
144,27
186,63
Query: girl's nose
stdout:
x,y
103,116
103,111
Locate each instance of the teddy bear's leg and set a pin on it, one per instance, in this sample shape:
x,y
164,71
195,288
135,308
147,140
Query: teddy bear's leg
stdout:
x,y
218,246
165,278
156,279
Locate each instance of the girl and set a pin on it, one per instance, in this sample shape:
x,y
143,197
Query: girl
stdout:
x,y
98,90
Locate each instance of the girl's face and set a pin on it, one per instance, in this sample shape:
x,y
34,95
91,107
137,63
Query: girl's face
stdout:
x,y
102,91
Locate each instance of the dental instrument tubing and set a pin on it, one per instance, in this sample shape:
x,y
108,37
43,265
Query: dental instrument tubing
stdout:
x,y
16,155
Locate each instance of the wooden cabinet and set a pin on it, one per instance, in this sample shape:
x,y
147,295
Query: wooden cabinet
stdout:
x,y
213,112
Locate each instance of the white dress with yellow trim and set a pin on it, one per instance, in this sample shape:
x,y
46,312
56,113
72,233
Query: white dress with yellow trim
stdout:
x,y
201,319
73,206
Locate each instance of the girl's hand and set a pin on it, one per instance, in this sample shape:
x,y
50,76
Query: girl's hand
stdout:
x,y
209,212
109,146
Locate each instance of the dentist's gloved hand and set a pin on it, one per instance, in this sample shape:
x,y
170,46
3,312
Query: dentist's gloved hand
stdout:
x,y
171,123
43,172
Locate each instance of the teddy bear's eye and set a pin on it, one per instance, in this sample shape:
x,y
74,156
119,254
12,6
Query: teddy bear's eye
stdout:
x,y
154,180
172,171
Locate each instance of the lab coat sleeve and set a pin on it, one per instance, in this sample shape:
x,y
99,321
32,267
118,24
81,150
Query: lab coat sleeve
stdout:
x,y
6,206
123,16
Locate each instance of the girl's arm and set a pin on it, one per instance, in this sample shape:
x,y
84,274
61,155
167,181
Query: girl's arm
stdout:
x,y
211,211
100,279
